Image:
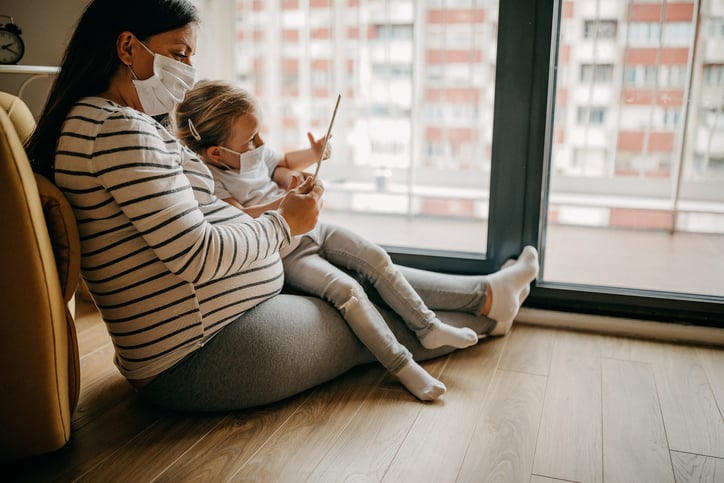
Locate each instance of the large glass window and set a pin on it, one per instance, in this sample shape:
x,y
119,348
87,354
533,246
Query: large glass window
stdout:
x,y
413,135
636,189
468,128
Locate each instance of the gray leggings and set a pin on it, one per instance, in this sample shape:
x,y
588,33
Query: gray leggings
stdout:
x,y
291,343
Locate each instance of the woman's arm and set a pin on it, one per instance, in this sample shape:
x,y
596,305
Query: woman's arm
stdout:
x,y
147,182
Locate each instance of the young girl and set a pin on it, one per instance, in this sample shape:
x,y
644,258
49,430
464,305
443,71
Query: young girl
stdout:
x,y
221,123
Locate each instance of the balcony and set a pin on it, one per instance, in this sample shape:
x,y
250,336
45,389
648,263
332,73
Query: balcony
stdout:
x,y
579,248
641,259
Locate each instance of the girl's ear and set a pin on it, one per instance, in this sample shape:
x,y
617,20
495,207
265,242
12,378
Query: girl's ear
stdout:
x,y
124,47
213,153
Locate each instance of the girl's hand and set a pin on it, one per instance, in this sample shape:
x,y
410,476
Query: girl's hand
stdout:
x,y
317,145
288,179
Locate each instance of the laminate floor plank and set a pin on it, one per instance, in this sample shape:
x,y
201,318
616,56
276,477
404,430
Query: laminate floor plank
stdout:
x,y
97,365
545,479
712,360
695,468
434,448
631,349
99,398
218,455
569,439
693,420
293,452
91,444
365,449
504,440
634,438
529,349
151,451
92,337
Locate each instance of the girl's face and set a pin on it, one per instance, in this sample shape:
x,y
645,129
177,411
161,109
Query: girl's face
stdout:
x,y
244,137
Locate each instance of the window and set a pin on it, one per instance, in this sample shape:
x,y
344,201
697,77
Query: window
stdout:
x,y
714,75
629,186
596,73
677,34
591,115
670,118
599,29
393,33
617,125
417,81
640,76
643,33
673,76
715,27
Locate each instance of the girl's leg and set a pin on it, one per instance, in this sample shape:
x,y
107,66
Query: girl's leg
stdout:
x,y
351,251
307,271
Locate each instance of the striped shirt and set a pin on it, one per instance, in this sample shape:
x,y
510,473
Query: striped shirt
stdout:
x,y
168,263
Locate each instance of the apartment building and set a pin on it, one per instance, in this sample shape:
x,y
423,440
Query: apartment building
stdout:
x,y
638,96
637,134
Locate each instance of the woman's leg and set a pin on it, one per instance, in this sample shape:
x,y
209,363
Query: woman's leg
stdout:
x,y
497,296
283,346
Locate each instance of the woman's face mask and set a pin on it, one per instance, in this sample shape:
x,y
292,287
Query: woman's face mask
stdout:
x,y
168,85
247,160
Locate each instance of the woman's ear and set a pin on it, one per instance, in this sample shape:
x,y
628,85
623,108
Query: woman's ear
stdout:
x,y
124,47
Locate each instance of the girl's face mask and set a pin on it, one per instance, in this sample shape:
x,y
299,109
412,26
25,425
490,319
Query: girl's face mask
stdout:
x,y
168,85
247,160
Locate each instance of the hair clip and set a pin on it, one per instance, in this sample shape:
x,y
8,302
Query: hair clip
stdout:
x,y
193,130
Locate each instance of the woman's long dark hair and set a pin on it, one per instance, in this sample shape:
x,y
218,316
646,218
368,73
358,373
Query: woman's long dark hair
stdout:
x,y
90,61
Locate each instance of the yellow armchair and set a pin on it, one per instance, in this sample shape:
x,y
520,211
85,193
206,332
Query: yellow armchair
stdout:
x,y
40,256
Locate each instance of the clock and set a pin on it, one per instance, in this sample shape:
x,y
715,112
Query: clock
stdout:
x,y
12,47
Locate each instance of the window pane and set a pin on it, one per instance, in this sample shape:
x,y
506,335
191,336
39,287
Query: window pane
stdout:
x,y
636,195
412,137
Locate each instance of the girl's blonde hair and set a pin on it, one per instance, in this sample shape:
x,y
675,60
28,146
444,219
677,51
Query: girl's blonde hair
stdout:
x,y
207,114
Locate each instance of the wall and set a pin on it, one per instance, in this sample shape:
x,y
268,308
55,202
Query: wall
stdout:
x,y
48,24
46,29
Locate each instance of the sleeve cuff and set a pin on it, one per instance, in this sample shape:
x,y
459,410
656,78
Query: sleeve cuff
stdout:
x,y
286,231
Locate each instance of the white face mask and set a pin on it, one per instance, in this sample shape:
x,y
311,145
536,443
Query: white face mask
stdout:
x,y
249,159
168,85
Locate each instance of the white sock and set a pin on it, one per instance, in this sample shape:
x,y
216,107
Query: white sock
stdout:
x,y
526,290
509,287
442,334
420,383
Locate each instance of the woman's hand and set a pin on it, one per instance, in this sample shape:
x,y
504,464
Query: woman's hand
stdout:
x,y
300,207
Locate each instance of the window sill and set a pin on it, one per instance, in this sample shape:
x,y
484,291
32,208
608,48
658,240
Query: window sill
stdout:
x,y
665,331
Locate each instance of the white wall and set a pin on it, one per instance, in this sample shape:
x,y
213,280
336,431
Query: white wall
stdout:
x,y
48,24
46,29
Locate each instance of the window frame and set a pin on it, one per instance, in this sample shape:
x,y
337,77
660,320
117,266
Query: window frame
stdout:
x,y
524,100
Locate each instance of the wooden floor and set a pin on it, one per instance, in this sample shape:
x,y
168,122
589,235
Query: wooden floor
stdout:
x,y
539,405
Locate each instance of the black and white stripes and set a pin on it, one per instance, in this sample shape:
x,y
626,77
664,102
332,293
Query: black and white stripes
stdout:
x,y
167,262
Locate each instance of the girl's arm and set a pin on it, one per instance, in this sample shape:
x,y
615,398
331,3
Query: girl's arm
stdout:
x,y
303,158
256,210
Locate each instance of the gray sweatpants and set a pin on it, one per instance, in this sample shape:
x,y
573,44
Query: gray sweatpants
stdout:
x,y
291,343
